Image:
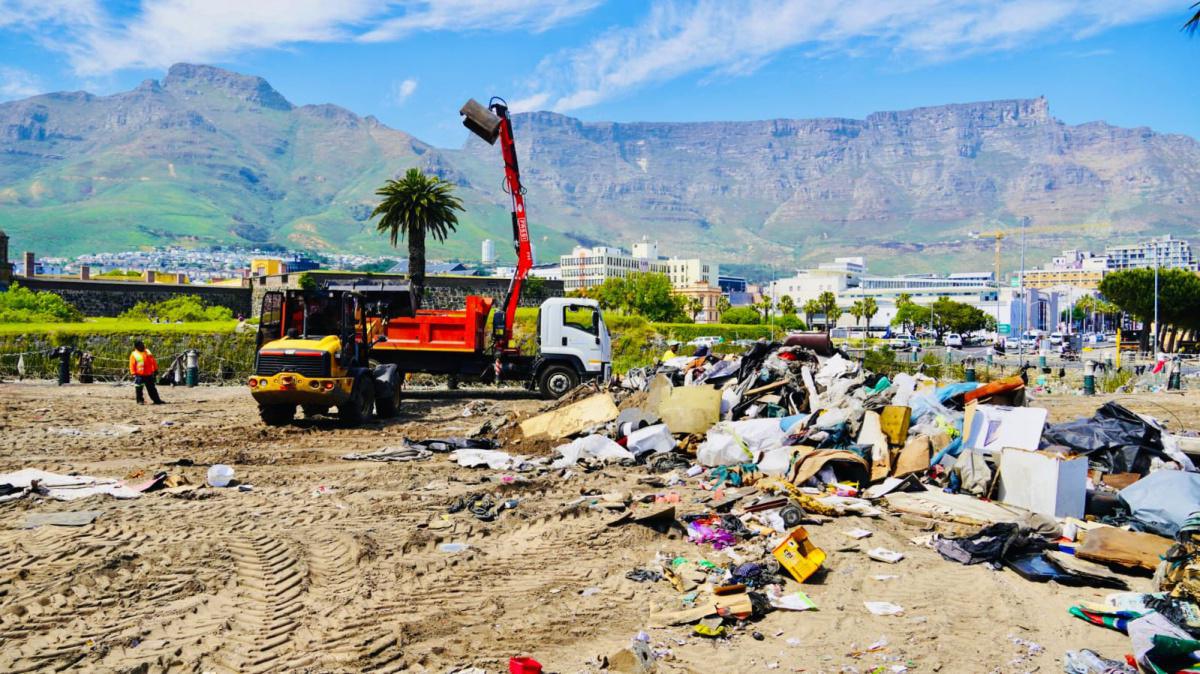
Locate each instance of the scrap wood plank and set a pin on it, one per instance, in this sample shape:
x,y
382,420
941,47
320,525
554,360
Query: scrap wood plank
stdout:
x,y
571,419
1124,548
958,508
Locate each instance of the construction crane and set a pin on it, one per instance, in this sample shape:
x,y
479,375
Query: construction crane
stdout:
x,y
1072,230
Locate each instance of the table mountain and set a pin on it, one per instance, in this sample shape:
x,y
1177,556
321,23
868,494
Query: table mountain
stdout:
x,y
208,156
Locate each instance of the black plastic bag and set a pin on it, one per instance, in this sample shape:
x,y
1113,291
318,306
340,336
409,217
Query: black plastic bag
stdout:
x,y
1115,440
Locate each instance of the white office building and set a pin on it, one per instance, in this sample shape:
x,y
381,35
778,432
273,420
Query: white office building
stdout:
x,y
1165,251
590,267
487,251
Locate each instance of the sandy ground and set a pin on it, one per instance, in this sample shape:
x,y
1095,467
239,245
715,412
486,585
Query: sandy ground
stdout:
x,y
333,565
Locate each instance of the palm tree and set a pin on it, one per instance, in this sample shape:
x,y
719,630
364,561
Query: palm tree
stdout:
x,y
903,298
870,308
787,306
1193,24
827,302
723,304
856,310
764,305
811,308
694,306
414,207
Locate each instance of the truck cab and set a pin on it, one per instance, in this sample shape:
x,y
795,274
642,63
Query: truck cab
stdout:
x,y
573,345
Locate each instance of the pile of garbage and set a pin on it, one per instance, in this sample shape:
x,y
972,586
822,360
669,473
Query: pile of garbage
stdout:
x,y
791,435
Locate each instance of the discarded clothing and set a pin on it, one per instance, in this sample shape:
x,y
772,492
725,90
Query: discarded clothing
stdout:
x,y
450,444
65,487
392,454
993,544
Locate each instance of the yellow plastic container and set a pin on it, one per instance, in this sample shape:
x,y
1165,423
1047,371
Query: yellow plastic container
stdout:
x,y
798,555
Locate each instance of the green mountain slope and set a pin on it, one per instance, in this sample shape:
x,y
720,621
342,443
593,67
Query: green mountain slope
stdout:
x,y
207,156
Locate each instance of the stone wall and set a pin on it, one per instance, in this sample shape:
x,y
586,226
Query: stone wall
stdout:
x,y
441,292
110,298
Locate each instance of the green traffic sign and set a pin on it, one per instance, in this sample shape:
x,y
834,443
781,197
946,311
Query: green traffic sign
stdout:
x,y
1004,328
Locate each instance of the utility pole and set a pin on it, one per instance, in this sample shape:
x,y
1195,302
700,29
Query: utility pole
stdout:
x,y
1024,303
1155,301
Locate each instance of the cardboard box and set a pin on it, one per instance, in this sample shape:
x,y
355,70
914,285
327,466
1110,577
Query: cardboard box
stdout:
x,y
1050,484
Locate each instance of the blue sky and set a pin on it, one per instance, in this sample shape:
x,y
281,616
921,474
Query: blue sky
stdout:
x,y
413,62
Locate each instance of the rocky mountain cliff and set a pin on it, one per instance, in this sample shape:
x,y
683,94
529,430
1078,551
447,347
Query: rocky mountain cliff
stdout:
x,y
210,156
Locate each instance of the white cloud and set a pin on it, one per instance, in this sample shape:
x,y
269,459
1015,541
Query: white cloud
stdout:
x,y
17,83
162,32
735,37
402,90
459,15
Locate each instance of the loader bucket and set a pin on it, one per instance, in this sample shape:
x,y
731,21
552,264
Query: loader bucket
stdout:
x,y
481,121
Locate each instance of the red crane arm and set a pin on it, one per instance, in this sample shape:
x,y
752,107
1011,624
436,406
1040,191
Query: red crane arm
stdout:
x,y
502,331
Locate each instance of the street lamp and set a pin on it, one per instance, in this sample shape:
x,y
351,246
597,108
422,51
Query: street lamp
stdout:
x,y
1155,301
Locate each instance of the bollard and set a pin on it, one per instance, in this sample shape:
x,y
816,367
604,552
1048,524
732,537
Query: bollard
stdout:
x,y
1089,378
1173,374
193,367
63,354
970,371
1042,361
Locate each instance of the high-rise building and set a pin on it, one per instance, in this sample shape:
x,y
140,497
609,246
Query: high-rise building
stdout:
x,y
487,251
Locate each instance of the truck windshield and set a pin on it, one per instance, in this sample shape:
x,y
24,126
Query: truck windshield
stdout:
x,y
582,317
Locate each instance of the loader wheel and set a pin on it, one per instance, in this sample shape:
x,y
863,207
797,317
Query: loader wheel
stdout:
x,y
362,401
277,415
388,408
556,381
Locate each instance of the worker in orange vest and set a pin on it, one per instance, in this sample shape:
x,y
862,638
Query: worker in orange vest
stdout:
x,y
143,367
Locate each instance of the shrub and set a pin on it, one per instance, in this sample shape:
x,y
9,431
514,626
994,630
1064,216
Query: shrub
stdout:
x,y
185,308
22,305
741,316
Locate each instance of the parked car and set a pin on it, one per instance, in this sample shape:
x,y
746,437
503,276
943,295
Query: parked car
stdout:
x,y
709,341
953,340
904,343
1056,338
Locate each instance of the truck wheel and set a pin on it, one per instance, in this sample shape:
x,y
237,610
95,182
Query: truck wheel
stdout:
x,y
358,408
389,407
277,415
556,381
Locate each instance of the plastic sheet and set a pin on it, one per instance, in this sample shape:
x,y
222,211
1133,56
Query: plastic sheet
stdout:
x,y
1162,501
591,446
1114,439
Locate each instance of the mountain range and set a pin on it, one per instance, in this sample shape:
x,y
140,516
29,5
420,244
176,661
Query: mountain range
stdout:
x,y
207,156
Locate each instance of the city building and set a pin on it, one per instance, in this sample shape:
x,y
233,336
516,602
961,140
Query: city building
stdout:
x,y
1083,269
270,266
808,284
1052,278
487,251
710,298
431,268
590,267
550,272
731,284
1163,251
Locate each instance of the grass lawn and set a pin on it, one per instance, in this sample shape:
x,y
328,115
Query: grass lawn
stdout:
x,y
101,326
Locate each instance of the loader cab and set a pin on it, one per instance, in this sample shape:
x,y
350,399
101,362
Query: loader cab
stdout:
x,y
573,331
326,320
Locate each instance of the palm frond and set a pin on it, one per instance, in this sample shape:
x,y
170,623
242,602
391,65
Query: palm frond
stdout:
x,y
1193,23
